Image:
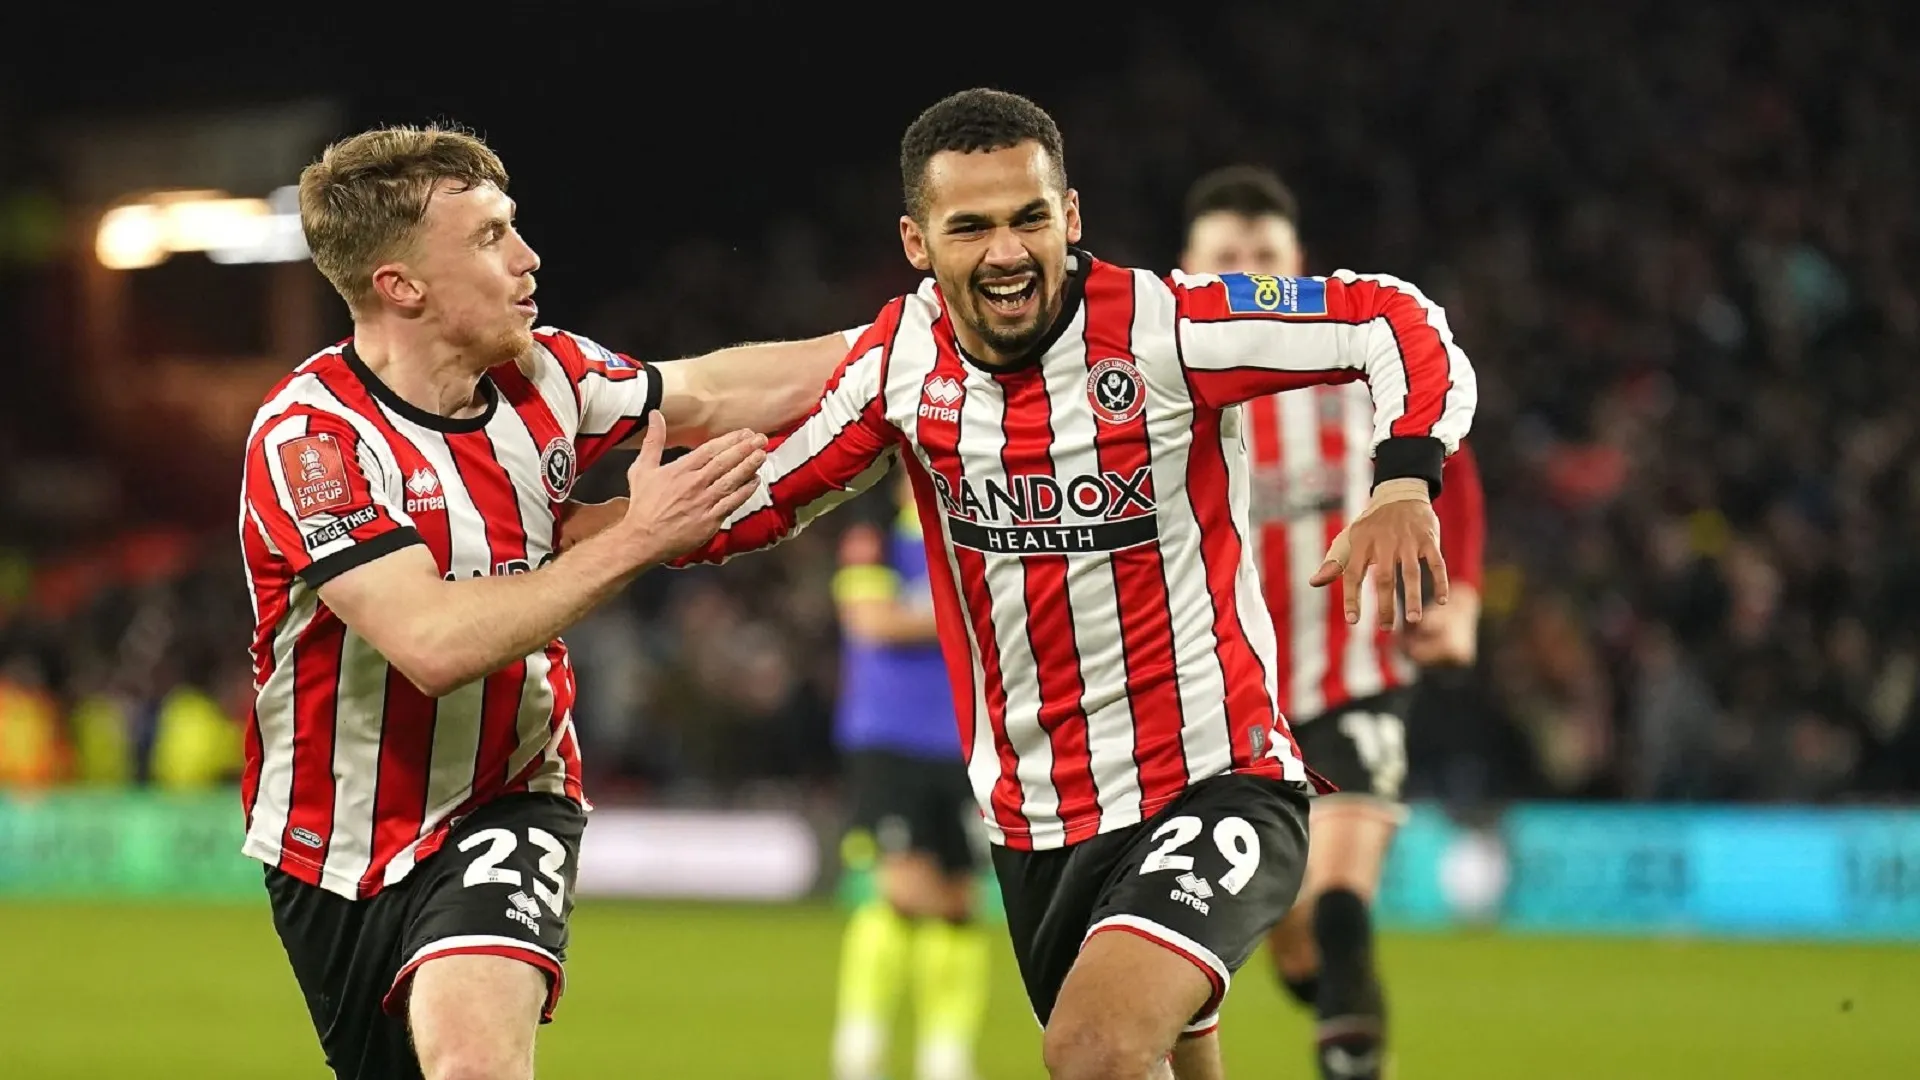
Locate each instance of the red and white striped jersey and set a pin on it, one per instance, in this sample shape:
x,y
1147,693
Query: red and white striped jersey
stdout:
x,y
1312,474
352,774
1086,517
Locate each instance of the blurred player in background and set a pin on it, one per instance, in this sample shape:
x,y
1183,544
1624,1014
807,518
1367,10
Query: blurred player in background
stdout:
x,y
1070,429
913,809
412,777
1345,689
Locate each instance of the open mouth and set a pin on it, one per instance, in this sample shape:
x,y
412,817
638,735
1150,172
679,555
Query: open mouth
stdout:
x,y
527,307
1010,299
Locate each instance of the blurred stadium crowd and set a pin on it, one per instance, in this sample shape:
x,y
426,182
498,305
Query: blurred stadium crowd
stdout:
x,y
1681,244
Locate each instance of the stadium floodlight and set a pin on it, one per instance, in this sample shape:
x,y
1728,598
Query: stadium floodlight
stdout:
x,y
131,238
141,234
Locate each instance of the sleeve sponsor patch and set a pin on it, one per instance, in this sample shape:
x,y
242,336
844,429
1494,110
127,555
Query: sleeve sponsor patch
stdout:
x,y
1264,294
338,529
605,357
316,475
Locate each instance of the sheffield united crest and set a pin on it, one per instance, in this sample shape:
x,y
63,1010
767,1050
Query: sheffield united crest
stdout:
x,y
557,469
1116,390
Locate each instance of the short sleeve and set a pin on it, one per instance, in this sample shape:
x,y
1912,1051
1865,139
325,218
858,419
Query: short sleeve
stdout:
x,y
615,392
317,494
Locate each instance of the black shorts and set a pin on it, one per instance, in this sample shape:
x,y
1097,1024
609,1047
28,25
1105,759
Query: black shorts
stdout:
x,y
1206,877
917,804
501,884
1361,746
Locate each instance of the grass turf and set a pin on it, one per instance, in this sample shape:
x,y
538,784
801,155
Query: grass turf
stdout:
x,y
722,993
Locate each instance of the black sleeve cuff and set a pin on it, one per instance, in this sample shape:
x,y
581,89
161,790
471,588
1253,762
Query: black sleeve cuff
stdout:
x,y
653,391
1410,458
321,571
654,385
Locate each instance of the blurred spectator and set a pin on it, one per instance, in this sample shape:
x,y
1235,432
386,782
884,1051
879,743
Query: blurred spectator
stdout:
x,y
33,750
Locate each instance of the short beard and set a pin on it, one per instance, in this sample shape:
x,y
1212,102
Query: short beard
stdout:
x,y
522,351
1011,343
513,345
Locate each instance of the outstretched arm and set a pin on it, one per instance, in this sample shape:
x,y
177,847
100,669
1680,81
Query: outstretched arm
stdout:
x,y
763,387
842,448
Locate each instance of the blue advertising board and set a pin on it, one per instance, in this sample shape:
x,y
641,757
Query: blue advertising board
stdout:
x,y
1714,871
1773,872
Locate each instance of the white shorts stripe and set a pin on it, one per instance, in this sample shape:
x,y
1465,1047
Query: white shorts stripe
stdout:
x,y
1180,943
461,942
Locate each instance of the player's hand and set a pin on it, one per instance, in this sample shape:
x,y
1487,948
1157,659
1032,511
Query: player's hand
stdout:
x,y
1397,531
674,508
1448,636
580,520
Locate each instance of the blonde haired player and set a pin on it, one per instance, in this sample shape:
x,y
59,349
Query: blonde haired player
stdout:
x,y
412,777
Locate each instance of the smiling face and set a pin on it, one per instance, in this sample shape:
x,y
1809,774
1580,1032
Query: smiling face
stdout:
x,y
994,231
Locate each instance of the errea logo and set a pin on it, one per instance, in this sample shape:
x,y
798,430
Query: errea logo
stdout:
x,y
940,399
524,911
1193,891
423,492
1195,884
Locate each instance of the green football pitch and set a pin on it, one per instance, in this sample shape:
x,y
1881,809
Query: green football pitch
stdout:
x,y
747,992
